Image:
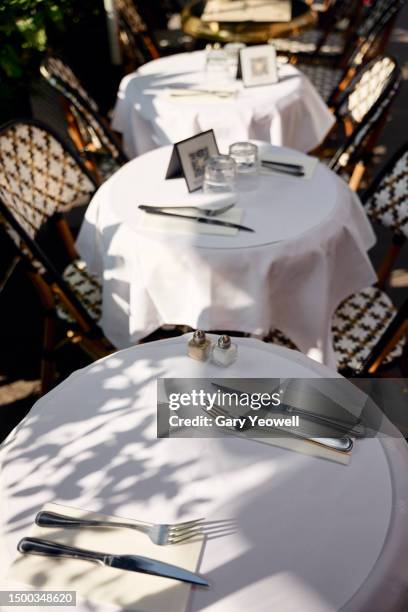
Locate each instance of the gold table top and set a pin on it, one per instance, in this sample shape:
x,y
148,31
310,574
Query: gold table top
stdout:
x,y
246,32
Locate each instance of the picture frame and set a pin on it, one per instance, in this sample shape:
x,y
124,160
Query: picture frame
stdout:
x,y
189,156
258,65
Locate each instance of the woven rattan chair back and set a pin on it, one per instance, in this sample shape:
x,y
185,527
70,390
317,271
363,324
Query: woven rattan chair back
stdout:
x,y
91,134
39,175
386,200
55,67
136,40
363,106
381,9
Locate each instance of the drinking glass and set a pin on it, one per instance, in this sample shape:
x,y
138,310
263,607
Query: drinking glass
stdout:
x,y
216,66
232,50
219,174
245,155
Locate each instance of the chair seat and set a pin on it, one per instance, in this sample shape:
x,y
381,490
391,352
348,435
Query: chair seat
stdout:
x,y
324,78
86,288
306,42
357,325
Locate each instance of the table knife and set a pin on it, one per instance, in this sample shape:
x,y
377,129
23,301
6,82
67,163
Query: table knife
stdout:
x,y
340,445
354,429
283,164
208,220
283,170
131,563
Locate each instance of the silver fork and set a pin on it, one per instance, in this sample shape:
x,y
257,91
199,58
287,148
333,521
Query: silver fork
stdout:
x,y
342,445
209,212
161,534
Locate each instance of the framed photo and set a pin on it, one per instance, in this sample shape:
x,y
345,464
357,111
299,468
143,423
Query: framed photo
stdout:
x,y
258,65
189,157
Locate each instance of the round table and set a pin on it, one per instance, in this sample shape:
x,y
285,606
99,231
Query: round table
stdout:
x,y
312,535
303,17
308,252
288,113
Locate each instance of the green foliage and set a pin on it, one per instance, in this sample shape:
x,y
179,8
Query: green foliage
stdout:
x,y
25,26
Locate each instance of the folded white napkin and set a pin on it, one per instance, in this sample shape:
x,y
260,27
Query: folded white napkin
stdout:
x,y
212,201
309,163
99,583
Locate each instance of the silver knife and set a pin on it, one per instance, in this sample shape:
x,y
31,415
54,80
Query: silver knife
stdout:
x,y
355,429
210,220
341,445
282,169
131,563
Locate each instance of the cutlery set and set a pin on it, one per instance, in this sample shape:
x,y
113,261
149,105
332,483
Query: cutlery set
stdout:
x,y
284,168
153,210
354,428
341,445
186,93
206,215
160,534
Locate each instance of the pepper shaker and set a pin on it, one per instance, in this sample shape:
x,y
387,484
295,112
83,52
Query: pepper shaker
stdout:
x,y
199,347
224,352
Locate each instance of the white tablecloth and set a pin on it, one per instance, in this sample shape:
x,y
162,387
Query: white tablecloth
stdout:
x,y
245,282
289,113
312,535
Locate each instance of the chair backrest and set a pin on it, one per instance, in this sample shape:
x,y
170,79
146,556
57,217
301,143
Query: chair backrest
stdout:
x,y
55,67
386,200
39,175
371,37
364,104
379,10
135,32
92,126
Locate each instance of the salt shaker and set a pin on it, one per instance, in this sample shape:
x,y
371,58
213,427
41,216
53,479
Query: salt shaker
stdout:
x,y
224,352
199,347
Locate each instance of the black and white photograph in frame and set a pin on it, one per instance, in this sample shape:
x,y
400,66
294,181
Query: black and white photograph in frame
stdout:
x,y
189,157
258,65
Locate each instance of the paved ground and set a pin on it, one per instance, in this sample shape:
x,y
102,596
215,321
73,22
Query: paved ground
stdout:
x,y
20,321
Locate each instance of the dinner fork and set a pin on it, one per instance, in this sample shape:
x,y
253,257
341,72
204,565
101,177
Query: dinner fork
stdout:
x,y
209,212
160,533
342,445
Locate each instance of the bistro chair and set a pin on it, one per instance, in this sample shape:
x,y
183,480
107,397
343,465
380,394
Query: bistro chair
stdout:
x,y
330,78
89,131
332,43
329,38
367,329
361,111
40,179
140,45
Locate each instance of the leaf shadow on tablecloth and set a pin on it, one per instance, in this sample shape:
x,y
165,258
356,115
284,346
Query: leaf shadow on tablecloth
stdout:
x,y
99,459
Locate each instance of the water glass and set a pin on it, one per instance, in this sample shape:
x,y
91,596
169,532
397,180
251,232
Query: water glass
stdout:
x,y
219,174
232,50
216,66
245,155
